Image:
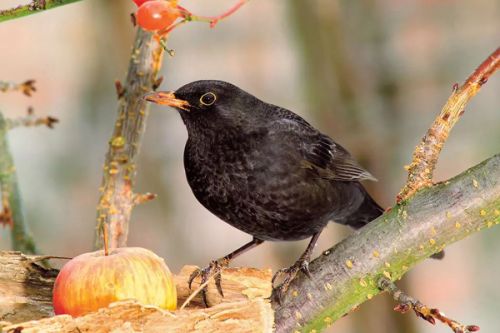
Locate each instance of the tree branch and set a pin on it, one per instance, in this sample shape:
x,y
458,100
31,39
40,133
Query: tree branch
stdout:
x,y
347,274
426,154
35,6
12,209
117,198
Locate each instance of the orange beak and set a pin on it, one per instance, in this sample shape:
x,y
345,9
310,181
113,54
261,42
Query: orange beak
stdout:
x,y
167,98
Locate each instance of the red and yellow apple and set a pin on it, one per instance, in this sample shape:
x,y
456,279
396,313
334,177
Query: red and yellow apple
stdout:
x,y
94,280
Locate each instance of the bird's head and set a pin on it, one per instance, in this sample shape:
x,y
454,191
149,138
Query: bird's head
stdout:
x,y
211,105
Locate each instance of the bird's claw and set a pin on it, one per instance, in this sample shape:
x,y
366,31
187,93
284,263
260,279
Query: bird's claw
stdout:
x,y
212,270
288,275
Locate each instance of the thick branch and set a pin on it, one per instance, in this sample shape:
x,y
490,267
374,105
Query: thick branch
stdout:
x,y
35,6
117,197
426,154
347,274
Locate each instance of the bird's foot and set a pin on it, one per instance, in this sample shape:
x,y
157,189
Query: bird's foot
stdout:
x,y
214,270
287,275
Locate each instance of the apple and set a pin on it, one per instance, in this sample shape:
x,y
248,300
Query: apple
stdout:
x,y
94,280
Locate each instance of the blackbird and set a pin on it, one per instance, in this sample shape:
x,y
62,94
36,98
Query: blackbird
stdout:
x,y
266,171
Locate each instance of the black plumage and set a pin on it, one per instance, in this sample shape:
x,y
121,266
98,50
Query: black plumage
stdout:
x,y
265,170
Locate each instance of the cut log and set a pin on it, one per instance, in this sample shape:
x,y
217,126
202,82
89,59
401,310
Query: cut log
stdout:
x,y
253,316
25,287
238,284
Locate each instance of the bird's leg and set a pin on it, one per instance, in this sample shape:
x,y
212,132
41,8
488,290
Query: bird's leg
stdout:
x,y
215,267
288,274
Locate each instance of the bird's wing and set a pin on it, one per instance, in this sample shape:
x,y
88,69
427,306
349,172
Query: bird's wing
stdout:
x,y
318,151
332,161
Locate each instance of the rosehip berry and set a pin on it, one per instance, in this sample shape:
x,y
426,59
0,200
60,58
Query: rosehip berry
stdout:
x,y
139,2
156,14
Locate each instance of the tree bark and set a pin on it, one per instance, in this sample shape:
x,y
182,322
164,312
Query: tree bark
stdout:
x,y
347,274
255,316
25,287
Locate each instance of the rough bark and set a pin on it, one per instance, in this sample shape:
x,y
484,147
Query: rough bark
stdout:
x,y
25,287
117,198
347,274
255,316
426,154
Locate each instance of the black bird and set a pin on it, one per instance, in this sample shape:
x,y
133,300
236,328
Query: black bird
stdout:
x,y
265,170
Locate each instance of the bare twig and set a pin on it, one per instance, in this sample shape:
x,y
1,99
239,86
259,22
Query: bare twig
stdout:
x,y
31,120
143,198
188,16
35,6
198,290
426,154
27,87
406,303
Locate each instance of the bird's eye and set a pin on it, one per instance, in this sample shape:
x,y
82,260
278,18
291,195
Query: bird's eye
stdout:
x,y
208,99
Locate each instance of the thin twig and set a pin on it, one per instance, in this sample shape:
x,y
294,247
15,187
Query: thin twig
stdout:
x,y
213,20
35,6
426,154
199,289
27,87
31,120
406,303
143,198
188,16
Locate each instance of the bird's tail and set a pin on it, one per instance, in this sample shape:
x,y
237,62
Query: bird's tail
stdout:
x,y
368,211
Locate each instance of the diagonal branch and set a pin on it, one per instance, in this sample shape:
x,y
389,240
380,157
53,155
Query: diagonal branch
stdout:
x,y
35,6
426,154
347,274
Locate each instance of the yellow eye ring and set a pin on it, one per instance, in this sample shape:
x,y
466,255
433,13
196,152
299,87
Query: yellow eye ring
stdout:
x,y
208,99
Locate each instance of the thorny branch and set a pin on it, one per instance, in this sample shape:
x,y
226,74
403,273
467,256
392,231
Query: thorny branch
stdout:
x,y
426,154
406,303
35,6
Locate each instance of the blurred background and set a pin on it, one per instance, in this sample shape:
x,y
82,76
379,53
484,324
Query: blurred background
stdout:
x,y
372,74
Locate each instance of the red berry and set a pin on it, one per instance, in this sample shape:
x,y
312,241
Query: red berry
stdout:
x,y
139,2
156,14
